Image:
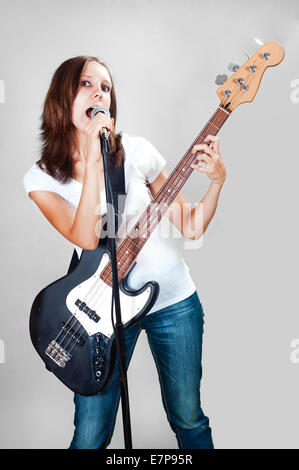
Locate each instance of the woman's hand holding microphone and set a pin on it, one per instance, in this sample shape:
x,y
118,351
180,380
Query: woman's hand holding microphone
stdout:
x,y
92,146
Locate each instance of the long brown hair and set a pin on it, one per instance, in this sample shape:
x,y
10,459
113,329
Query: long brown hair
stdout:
x,y
58,131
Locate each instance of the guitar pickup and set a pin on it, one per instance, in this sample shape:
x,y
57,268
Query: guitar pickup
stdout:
x,y
90,313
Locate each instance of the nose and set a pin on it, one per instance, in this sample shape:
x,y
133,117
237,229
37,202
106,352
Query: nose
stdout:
x,y
98,91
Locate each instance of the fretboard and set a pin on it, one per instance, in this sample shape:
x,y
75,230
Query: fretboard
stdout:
x,y
139,234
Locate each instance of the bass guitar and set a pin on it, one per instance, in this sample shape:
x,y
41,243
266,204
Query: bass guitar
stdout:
x,y
71,325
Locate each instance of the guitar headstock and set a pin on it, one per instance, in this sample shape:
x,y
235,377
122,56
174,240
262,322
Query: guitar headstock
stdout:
x,y
243,85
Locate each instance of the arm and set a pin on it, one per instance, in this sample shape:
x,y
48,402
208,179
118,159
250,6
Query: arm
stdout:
x,y
193,222
81,226
201,215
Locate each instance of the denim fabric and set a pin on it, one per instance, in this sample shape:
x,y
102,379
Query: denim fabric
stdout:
x,y
175,337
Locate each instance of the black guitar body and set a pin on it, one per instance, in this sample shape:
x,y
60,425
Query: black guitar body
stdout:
x,y
83,362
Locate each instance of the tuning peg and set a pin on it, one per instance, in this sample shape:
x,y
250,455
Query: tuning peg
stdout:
x,y
220,79
233,67
258,41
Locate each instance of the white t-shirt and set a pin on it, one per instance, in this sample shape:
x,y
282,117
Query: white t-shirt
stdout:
x,y
159,259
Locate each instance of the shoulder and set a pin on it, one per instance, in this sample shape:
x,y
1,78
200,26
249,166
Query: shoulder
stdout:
x,y
37,179
37,174
138,147
142,155
134,144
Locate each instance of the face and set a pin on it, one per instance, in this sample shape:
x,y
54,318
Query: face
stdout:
x,y
94,90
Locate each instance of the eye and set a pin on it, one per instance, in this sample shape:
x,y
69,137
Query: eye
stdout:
x,y
105,88
85,81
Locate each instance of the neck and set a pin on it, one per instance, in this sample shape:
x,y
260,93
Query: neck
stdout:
x,y
78,154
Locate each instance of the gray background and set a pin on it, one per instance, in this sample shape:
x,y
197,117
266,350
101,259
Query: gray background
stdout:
x,y
164,57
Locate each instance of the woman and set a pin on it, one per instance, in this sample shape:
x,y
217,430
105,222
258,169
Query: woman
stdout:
x,y
67,184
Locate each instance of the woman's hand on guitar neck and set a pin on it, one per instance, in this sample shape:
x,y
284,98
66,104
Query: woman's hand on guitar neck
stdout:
x,y
210,155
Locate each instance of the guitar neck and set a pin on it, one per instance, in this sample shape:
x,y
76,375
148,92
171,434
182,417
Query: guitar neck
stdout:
x,y
139,234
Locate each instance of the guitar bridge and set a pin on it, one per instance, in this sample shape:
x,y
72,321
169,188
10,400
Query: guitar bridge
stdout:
x,y
57,353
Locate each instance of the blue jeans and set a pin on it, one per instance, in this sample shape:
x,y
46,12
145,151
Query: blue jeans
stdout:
x,y
175,337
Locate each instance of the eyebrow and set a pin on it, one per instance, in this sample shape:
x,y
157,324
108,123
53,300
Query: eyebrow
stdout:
x,y
90,76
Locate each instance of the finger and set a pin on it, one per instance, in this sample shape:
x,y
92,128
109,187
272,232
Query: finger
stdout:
x,y
101,116
215,140
206,149
100,121
203,157
203,169
203,161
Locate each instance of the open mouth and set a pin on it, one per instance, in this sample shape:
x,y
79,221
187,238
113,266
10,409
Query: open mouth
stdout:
x,y
89,111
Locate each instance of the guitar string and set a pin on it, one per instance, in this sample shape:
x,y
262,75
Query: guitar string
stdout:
x,y
82,315
151,217
208,126
206,131
132,241
176,179
104,285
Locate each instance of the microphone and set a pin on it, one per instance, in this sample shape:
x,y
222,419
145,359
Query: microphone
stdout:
x,y
101,109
